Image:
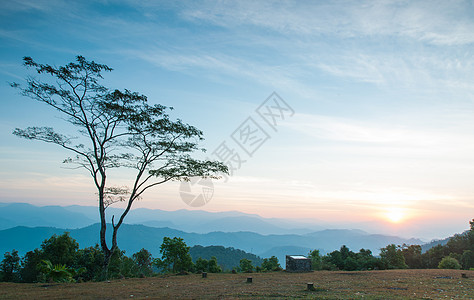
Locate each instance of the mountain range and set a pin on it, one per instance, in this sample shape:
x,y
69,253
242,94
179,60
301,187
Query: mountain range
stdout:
x,y
75,216
25,226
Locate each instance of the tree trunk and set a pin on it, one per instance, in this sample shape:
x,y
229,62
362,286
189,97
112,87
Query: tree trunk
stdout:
x,y
103,229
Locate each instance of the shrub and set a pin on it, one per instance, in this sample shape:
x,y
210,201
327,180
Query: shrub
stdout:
x,y
59,273
449,263
10,267
92,258
246,265
271,264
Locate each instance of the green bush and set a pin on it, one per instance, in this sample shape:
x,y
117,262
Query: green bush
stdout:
x,y
246,265
143,260
59,273
467,259
92,258
392,257
10,267
449,263
271,264
213,266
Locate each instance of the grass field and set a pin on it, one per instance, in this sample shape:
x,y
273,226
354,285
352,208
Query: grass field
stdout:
x,y
393,284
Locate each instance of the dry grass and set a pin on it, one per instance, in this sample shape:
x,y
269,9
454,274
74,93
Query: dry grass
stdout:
x,y
402,284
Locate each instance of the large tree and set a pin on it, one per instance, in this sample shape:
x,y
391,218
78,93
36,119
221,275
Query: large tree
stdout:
x,y
175,256
114,129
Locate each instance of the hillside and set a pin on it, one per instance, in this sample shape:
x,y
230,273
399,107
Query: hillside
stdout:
x,y
227,258
132,238
198,221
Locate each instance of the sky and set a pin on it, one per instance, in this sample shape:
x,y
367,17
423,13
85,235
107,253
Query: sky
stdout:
x,y
372,103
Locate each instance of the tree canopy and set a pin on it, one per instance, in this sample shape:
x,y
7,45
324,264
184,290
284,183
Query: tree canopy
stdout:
x,y
175,255
113,129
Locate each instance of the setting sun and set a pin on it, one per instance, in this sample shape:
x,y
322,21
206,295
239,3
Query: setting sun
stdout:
x,y
394,215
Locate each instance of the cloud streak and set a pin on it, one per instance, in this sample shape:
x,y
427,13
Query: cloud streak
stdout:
x,y
439,23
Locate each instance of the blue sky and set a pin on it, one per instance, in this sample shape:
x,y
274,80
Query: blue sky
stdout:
x,y
382,93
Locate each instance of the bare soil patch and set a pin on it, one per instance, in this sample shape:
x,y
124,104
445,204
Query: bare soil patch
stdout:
x,y
392,284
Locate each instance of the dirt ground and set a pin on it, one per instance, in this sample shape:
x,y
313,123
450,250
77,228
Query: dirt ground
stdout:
x,y
392,284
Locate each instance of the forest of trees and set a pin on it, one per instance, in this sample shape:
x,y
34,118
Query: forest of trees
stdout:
x,y
228,258
60,259
458,253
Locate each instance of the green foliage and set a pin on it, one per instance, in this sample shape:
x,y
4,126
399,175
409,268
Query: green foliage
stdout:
x,y
228,258
457,247
470,236
10,267
128,267
316,260
458,243
345,259
213,266
210,266
246,265
175,256
121,266
326,264
59,250
144,260
392,257
92,258
366,261
89,261
341,259
412,255
58,272
467,259
271,264
432,257
449,262
201,265
30,271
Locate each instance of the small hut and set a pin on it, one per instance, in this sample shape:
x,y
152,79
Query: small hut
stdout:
x,y
298,263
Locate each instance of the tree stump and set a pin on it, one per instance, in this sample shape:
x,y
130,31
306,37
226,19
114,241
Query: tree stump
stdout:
x,y
249,279
310,286
204,275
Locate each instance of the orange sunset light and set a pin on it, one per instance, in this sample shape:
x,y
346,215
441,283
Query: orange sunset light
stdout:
x,y
395,215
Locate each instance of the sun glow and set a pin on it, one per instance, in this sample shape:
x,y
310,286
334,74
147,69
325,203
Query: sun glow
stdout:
x,y
395,215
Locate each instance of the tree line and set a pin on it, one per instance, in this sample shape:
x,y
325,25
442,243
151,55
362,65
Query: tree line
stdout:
x,y
458,253
60,259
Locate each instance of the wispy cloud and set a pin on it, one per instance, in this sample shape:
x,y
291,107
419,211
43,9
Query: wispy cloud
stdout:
x,y
440,22
215,65
352,130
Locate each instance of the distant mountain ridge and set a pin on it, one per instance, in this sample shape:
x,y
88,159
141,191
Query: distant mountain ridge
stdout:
x,y
75,216
23,214
132,238
25,226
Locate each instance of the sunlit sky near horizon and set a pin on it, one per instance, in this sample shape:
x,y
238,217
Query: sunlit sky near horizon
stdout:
x,y
382,135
